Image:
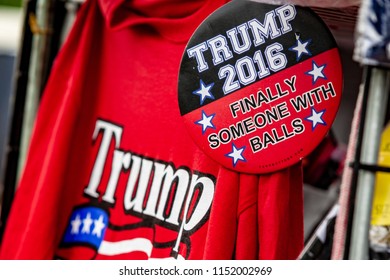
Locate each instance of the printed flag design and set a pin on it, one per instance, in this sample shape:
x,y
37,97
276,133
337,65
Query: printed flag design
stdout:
x,y
87,225
90,235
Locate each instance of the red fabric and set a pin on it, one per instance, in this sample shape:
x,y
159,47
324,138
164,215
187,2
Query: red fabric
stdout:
x,y
118,70
280,206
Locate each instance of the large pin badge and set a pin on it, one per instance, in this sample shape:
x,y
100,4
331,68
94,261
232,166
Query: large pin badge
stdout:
x,y
260,85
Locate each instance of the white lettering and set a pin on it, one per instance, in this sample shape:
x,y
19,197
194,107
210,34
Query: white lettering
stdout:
x,y
219,49
110,132
154,189
269,28
197,52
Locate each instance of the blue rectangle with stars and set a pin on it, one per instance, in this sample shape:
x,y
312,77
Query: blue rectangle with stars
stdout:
x,y
87,225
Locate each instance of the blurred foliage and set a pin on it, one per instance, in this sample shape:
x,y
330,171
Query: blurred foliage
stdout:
x,y
13,3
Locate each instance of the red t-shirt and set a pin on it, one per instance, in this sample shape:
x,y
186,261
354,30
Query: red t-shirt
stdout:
x,y
111,171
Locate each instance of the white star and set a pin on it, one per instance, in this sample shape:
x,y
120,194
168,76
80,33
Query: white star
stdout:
x,y
301,48
204,91
98,226
316,72
87,222
206,121
236,154
316,118
76,222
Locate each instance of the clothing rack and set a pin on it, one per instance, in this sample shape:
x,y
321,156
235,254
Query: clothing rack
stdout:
x,y
365,167
44,22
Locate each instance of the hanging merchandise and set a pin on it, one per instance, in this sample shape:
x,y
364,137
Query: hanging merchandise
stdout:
x,y
373,33
112,172
259,85
345,197
42,27
319,246
324,165
381,204
380,222
371,50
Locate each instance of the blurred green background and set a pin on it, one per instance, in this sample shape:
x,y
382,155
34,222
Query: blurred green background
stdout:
x,y
13,3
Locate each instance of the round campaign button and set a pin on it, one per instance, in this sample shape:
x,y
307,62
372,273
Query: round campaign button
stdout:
x,y
260,85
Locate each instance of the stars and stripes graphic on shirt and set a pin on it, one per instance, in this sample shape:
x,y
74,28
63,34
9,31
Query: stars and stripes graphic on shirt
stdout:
x,y
90,235
87,225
